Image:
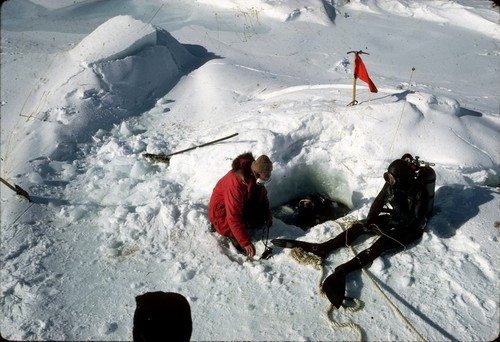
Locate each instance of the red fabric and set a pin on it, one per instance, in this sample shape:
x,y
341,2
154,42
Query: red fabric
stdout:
x,y
227,203
361,73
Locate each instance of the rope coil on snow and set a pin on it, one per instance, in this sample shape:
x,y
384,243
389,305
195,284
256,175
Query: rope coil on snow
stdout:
x,y
306,258
358,305
336,325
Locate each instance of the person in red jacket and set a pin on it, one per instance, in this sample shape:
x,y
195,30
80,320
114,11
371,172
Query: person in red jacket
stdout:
x,y
239,200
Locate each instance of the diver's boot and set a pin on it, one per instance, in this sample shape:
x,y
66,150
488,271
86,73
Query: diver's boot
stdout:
x,y
334,288
334,285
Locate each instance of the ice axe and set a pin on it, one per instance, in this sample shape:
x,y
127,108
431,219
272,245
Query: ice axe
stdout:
x,y
17,189
165,158
355,76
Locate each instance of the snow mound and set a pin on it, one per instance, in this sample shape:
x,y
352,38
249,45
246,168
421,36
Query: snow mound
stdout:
x,y
123,68
117,38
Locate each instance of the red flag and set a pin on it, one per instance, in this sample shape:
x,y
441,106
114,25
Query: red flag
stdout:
x,y
361,73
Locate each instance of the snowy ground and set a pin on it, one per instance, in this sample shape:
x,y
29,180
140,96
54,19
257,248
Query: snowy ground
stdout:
x,y
88,86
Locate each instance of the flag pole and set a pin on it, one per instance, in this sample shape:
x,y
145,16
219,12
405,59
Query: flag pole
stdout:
x,y
355,77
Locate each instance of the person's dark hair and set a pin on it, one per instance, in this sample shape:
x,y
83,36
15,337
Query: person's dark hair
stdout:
x,y
162,316
242,160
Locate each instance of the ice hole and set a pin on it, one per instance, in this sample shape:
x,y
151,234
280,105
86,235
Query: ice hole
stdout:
x,y
310,210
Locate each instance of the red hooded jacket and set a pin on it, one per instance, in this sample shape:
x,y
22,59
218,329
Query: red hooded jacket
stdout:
x,y
235,201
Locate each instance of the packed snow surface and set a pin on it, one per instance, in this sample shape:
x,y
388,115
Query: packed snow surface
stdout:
x,y
88,87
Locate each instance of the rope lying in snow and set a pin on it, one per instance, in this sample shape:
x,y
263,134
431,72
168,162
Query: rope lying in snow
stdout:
x,y
401,115
24,212
306,258
337,325
377,287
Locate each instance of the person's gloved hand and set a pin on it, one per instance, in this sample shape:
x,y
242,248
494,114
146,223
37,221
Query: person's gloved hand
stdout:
x,y
250,249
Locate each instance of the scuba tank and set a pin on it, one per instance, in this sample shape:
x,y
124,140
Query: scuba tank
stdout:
x,y
425,176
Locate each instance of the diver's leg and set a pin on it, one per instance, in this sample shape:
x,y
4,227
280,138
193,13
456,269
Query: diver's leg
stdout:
x,y
335,284
323,249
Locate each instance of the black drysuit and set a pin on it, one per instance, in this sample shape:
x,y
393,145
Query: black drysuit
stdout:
x,y
396,227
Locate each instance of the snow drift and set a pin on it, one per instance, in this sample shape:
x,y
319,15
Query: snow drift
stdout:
x,y
117,71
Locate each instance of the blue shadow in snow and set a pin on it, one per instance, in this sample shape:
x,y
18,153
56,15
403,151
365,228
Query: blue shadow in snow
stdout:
x,y
330,10
455,205
469,112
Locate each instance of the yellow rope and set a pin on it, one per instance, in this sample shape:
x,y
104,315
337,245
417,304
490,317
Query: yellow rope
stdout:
x,y
336,325
400,116
306,258
380,232
394,307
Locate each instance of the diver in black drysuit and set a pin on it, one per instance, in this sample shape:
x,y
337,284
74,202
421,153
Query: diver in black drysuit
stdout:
x,y
411,196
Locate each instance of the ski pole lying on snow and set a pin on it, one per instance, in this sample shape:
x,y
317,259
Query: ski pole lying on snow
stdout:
x,y
17,189
166,157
